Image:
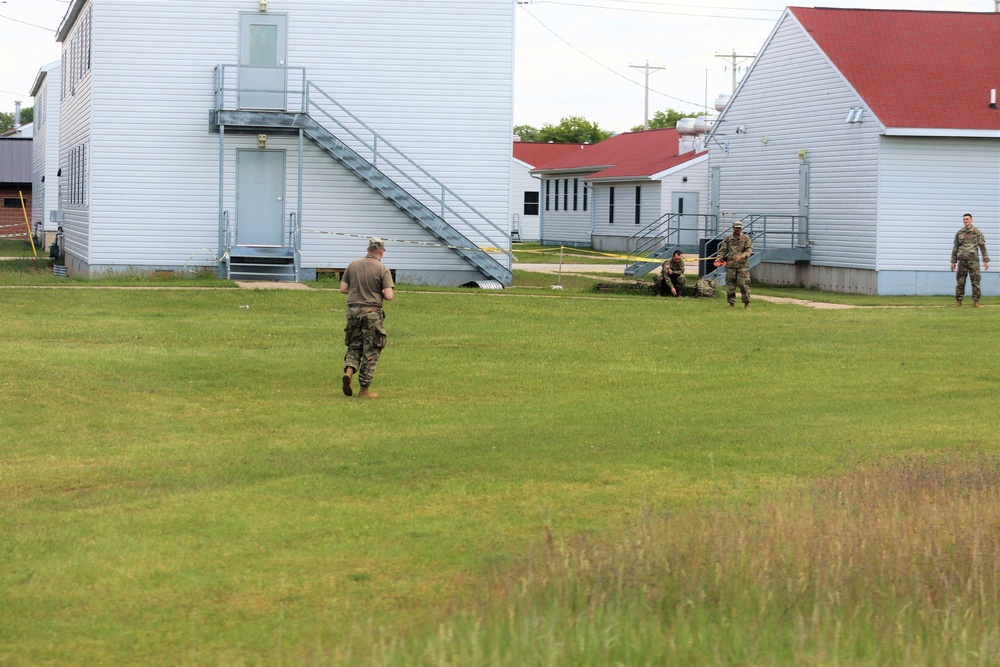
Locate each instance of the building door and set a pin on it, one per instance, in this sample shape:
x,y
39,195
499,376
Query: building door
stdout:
x,y
260,197
263,76
802,228
685,205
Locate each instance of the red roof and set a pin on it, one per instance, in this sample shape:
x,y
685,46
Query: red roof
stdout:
x,y
914,69
536,154
632,154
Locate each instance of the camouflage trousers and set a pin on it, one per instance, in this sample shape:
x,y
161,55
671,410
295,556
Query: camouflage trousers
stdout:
x,y
664,283
364,337
737,278
970,268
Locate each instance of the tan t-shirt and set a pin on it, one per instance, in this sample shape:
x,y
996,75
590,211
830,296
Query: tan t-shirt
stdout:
x,y
366,278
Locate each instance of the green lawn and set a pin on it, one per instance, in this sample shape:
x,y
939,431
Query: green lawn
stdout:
x,y
182,481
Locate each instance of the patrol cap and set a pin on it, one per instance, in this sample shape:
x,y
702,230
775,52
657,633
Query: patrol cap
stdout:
x,y
375,243
738,223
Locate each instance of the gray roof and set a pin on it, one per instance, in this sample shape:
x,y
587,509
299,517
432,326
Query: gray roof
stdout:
x,y
15,160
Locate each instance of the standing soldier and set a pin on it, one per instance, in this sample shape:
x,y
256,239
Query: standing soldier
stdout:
x,y
734,254
366,282
969,242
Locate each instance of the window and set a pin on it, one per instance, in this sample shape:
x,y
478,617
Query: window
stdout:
x,y
638,207
586,189
576,189
547,184
76,177
530,202
611,205
77,54
12,202
565,194
557,194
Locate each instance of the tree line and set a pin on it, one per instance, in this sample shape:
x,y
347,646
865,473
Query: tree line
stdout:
x,y
7,119
579,130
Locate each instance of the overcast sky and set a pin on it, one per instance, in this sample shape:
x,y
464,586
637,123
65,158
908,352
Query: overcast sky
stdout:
x,y
573,57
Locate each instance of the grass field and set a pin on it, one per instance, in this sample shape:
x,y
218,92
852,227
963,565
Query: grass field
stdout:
x,y
547,479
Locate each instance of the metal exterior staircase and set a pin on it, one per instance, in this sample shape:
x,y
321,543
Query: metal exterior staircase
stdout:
x,y
457,224
776,238
665,230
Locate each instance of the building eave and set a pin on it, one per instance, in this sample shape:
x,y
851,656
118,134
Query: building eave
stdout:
x,y
69,19
940,132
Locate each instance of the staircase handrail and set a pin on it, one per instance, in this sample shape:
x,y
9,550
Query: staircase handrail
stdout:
x,y
225,97
377,147
652,240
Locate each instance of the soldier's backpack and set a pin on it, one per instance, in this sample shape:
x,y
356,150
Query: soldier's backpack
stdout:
x,y
705,289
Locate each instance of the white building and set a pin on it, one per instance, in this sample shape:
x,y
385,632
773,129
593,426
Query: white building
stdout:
x,y
525,193
869,133
45,154
271,139
633,187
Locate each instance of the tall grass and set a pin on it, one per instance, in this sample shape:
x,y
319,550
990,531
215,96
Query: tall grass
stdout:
x,y
182,480
890,564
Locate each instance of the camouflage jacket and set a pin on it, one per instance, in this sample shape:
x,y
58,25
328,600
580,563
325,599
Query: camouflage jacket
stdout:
x,y
967,243
732,247
677,266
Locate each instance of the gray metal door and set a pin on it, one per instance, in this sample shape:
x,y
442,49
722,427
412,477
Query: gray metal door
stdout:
x,y
714,184
263,77
685,205
260,197
803,222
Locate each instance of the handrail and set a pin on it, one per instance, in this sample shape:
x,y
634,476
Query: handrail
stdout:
x,y
667,238
292,228
384,155
382,149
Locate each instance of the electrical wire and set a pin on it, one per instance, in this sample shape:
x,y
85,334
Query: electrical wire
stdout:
x,y
599,63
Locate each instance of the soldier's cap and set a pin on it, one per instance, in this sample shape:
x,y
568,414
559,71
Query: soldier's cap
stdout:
x,y
737,224
375,243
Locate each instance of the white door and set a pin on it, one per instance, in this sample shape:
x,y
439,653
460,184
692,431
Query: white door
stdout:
x,y
685,205
263,77
260,197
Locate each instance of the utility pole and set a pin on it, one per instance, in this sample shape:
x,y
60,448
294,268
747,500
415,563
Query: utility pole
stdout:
x,y
645,117
736,62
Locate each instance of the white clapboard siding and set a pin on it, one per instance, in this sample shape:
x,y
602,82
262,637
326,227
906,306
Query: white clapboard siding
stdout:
x,y
624,222
562,226
927,184
433,78
45,147
671,181
75,130
522,181
792,99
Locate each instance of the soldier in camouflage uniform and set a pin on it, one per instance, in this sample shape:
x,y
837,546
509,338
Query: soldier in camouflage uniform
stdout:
x,y
734,254
366,282
969,241
672,277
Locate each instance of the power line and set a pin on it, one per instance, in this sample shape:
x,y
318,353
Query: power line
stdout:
x,y
33,25
652,11
599,63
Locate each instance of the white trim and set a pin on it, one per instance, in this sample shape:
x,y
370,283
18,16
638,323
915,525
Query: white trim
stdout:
x,y
678,167
939,132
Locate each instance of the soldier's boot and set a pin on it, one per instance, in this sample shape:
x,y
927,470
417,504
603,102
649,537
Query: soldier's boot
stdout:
x,y
958,303
367,393
975,304
732,305
746,306
348,374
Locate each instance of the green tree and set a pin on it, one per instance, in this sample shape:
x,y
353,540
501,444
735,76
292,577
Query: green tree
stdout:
x,y
572,130
7,119
526,132
668,118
